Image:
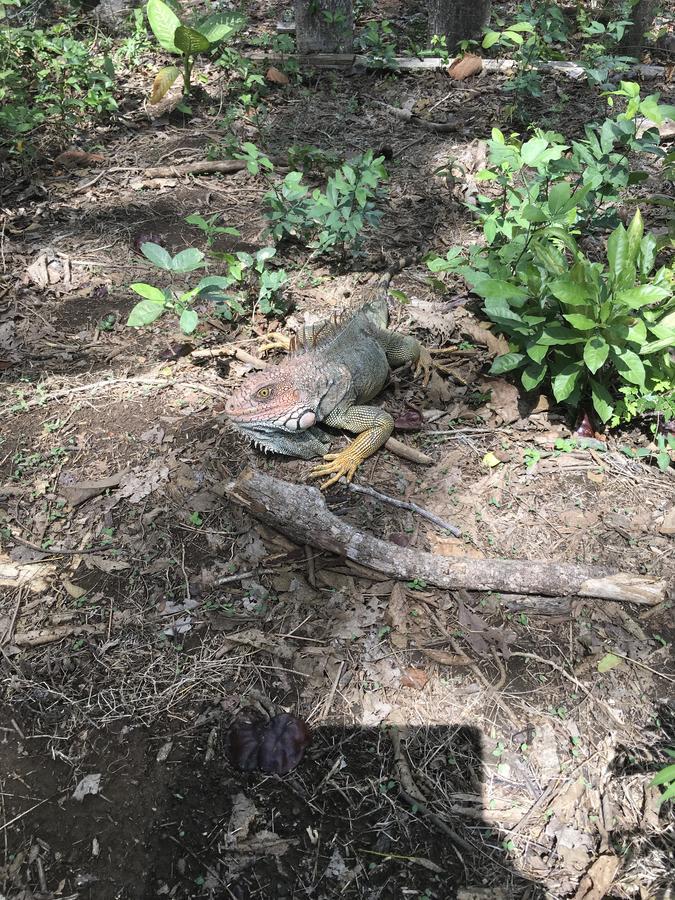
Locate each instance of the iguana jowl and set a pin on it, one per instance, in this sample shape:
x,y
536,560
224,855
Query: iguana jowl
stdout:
x,y
338,368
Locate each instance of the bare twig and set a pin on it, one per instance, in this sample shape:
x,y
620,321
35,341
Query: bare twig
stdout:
x,y
402,504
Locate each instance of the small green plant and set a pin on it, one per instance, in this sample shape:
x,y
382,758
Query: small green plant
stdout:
x,y
376,41
597,59
247,282
666,779
186,41
330,220
526,51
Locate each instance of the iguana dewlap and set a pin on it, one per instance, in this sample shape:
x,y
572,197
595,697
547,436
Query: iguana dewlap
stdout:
x,y
338,369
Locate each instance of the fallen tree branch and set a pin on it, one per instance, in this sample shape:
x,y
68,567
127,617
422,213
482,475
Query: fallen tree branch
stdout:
x,y
406,115
202,167
300,512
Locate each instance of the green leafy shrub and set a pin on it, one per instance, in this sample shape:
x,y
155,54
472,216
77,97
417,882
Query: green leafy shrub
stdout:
x,y
175,36
50,79
525,45
593,331
330,220
598,60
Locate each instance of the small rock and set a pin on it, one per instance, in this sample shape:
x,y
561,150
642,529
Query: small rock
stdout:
x,y
668,526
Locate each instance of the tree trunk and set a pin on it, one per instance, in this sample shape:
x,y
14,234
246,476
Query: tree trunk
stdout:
x,y
458,20
324,26
642,15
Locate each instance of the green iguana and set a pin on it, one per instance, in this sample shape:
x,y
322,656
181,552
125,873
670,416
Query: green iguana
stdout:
x,y
338,367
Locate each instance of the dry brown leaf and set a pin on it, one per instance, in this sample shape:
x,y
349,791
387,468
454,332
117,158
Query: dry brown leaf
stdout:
x,y
74,590
503,399
496,343
598,879
447,659
450,546
414,678
163,82
77,159
276,76
465,67
595,477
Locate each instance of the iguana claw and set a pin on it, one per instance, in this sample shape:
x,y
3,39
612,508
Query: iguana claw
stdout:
x,y
274,340
342,464
426,364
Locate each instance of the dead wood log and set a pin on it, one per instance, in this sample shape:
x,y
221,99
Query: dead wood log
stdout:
x,y
300,512
202,167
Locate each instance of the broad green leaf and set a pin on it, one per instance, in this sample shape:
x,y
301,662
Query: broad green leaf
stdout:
x,y
164,79
569,292
558,198
668,794
157,255
187,260
637,332
595,353
522,26
532,213
629,365
556,334
490,40
496,288
655,346
221,25
609,661
533,375
647,257
506,363
148,292
654,111
188,321
190,41
634,235
537,352
499,311
581,323
602,400
636,297
665,776
566,381
617,255
144,313
549,257
532,150
164,22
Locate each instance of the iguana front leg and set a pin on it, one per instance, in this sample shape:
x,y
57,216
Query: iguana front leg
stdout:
x,y
373,426
402,348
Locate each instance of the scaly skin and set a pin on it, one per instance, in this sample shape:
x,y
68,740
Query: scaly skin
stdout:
x,y
328,381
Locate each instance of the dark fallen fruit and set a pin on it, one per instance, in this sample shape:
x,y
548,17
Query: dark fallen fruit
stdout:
x,y
176,351
275,746
410,420
584,426
146,237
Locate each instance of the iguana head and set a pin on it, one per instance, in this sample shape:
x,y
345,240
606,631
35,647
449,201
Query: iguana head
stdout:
x,y
275,414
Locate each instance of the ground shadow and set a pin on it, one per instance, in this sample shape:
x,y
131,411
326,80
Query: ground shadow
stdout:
x,y
173,818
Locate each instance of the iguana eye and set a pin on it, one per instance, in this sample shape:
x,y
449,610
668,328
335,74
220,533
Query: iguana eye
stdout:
x,y
263,393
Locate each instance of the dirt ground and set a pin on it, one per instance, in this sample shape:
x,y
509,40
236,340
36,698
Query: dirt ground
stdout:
x,y
464,745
